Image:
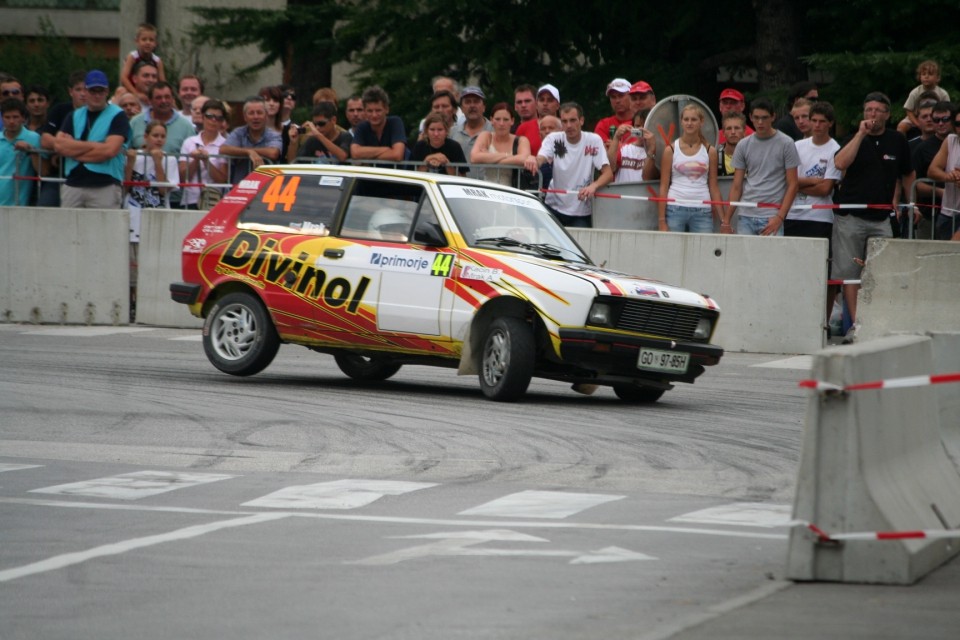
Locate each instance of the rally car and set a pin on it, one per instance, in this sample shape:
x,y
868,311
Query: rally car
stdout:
x,y
383,267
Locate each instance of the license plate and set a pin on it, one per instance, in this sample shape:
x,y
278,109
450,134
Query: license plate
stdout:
x,y
656,360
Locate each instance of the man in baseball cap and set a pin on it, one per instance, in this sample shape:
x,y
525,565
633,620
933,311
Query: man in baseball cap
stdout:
x,y
641,96
732,101
617,92
96,78
548,100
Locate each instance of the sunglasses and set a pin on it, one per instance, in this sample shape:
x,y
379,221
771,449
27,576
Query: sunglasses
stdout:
x,y
320,123
214,117
943,120
292,96
96,89
11,92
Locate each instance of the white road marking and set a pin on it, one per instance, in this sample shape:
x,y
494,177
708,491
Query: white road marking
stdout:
x,y
116,548
796,362
443,522
17,467
84,331
463,543
744,514
133,486
540,504
338,494
196,338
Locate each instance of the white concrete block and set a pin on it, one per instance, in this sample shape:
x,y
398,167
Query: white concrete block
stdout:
x,y
161,242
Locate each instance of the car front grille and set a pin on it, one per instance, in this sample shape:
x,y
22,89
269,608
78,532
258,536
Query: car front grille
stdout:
x,y
659,319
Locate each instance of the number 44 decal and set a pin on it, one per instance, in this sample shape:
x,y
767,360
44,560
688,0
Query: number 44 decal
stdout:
x,y
277,193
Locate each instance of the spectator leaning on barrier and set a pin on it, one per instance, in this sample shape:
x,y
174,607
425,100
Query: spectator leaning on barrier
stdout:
x,y
162,108
93,142
355,113
16,159
196,163
765,171
575,155
472,101
436,150
319,138
876,167
252,144
381,136
945,167
942,116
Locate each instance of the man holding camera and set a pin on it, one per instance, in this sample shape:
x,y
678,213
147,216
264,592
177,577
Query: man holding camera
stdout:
x,y
319,138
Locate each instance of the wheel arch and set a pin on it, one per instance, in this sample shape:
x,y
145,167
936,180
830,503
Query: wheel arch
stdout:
x,y
497,308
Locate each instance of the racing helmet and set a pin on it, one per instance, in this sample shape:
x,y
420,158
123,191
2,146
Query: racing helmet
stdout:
x,y
390,224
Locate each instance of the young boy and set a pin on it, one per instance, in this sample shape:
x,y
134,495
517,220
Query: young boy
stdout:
x,y
734,127
928,73
146,40
15,142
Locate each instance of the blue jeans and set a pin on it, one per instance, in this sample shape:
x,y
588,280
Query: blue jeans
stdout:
x,y
692,219
748,226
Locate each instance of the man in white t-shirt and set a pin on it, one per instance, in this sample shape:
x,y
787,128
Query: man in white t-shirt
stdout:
x,y
576,156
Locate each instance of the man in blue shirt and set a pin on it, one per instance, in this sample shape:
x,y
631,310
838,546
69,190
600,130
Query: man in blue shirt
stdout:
x,y
16,143
381,136
253,144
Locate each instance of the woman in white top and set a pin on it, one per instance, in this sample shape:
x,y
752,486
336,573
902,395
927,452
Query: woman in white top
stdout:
x,y
196,165
500,147
688,173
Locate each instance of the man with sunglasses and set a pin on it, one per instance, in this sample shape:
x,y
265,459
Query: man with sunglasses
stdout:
x,y
923,154
10,87
319,138
93,142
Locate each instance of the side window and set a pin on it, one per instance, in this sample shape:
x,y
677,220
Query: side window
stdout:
x,y
297,203
381,210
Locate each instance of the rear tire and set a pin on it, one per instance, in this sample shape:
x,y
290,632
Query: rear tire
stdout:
x,y
238,336
507,360
366,368
637,395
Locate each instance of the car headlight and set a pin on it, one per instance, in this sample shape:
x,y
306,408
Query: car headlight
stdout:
x,y
704,328
600,314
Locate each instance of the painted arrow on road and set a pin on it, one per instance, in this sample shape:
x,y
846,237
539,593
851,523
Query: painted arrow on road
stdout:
x,y
464,543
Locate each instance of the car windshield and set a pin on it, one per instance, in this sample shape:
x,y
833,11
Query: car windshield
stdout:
x,y
489,217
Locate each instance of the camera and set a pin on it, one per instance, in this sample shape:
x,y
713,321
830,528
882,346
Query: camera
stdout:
x,y
637,131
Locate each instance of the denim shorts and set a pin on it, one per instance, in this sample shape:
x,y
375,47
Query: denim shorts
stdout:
x,y
753,226
692,219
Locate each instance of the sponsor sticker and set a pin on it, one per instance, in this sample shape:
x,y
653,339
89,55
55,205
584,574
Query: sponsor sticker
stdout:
x,y
194,245
642,290
331,181
403,261
490,195
474,272
247,185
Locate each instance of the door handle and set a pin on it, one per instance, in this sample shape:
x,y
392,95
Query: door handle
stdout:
x,y
333,253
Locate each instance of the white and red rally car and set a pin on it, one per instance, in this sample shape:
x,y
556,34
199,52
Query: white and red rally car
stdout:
x,y
382,267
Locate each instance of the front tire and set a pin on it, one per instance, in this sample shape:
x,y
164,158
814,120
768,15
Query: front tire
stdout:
x,y
238,337
366,368
507,360
637,395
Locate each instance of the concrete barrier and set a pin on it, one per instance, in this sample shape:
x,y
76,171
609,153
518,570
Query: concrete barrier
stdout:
x,y
771,291
909,285
67,266
946,359
873,461
161,243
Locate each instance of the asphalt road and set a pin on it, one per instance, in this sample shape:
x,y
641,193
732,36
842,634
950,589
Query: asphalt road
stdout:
x,y
143,493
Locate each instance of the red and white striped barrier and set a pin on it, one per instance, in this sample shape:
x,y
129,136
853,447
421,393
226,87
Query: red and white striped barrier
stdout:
x,y
922,534
891,383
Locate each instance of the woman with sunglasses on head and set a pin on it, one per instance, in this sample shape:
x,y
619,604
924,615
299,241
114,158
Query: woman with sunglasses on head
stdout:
x,y
196,164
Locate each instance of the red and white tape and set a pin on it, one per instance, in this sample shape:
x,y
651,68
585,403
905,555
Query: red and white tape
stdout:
x,y
756,205
920,534
891,383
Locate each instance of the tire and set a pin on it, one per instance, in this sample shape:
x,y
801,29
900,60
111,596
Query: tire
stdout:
x,y
238,337
507,359
638,395
366,368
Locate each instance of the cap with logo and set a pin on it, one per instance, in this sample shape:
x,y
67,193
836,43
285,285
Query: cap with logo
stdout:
x,y
731,94
552,90
619,85
641,87
472,91
96,78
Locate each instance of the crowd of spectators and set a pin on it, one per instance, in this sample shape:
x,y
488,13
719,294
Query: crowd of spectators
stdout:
x,y
153,144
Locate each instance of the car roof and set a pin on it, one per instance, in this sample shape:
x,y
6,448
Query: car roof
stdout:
x,y
355,170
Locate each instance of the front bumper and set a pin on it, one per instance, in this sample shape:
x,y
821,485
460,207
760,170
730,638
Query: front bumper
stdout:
x,y
615,355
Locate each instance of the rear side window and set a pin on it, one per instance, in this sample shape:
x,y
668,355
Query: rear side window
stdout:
x,y
296,203
381,210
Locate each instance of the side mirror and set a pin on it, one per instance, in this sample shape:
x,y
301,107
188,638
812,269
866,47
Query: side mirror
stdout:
x,y
430,235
